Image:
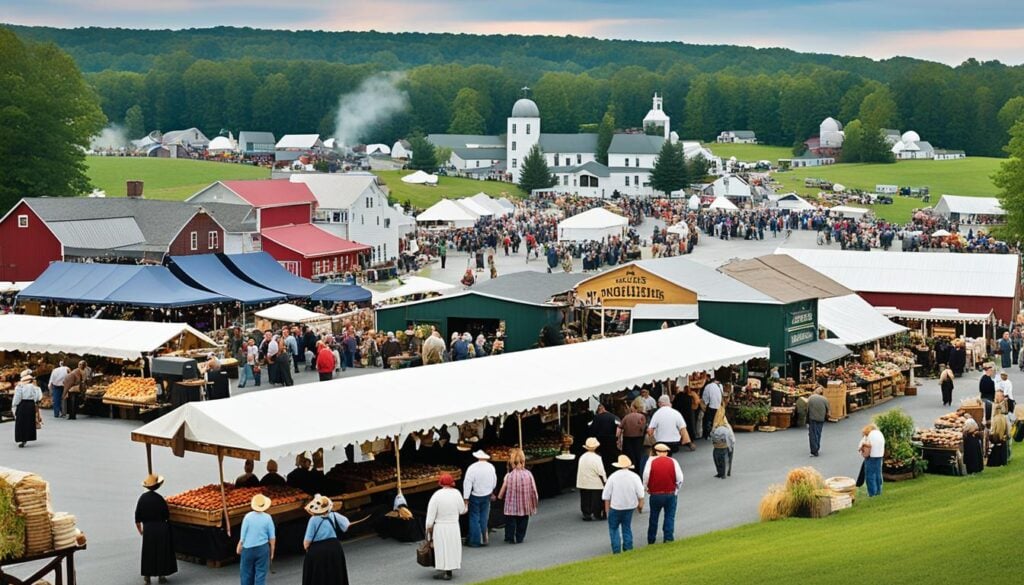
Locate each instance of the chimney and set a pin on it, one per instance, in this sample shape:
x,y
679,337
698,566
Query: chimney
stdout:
x,y
134,189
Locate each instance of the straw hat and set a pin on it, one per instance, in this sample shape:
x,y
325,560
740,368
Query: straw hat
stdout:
x,y
661,448
26,378
319,505
153,482
623,463
260,503
592,444
479,454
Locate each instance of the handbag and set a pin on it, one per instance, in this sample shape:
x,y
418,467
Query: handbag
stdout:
x,y
860,476
425,554
684,436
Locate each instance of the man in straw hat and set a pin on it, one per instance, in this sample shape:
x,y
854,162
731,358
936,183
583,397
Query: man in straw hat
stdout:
x,y
623,493
590,480
478,487
256,542
152,520
662,478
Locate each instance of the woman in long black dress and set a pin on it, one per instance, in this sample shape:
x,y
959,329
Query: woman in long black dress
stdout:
x,y
26,396
946,385
325,560
958,359
974,458
152,520
999,434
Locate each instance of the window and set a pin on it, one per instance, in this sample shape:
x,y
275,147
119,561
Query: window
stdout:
x,y
193,243
362,220
385,250
513,163
527,128
565,180
212,240
637,162
513,131
513,143
23,221
378,220
579,159
556,160
636,180
627,180
336,217
627,161
387,222
478,164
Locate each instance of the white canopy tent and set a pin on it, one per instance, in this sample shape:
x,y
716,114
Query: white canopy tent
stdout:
x,y
484,200
283,421
506,204
793,202
448,212
723,204
474,207
852,212
413,285
968,206
593,224
420,178
126,340
680,229
289,313
940,233
694,203
853,321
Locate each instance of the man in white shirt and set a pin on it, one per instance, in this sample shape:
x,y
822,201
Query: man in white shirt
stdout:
x,y
645,403
622,494
667,426
590,480
478,490
57,377
712,397
662,477
1003,383
874,440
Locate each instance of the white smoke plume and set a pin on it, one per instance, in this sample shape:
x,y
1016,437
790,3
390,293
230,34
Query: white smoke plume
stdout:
x,y
376,98
111,137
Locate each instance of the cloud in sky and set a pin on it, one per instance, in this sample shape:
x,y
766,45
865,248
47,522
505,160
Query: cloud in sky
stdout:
x,y
944,30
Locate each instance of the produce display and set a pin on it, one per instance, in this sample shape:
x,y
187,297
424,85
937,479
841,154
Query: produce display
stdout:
x,y
99,385
902,358
208,498
942,438
136,390
954,421
379,473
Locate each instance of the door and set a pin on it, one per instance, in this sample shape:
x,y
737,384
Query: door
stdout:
x,y
291,266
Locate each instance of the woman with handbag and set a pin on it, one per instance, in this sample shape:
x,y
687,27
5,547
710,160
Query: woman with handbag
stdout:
x,y
26,414
443,532
325,560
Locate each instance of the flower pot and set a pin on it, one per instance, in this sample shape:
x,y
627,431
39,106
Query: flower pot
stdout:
x,y
744,428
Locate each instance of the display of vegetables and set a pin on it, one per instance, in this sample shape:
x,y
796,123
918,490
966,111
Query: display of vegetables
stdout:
x,y
953,420
943,438
208,498
126,389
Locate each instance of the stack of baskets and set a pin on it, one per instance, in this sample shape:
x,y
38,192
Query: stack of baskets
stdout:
x,y
65,533
843,491
32,498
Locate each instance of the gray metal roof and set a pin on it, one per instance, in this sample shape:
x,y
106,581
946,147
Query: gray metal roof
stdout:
x,y
635,144
98,234
529,286
249,136
708,283
481,153
743,133
593,167
553,143
461,140
233,218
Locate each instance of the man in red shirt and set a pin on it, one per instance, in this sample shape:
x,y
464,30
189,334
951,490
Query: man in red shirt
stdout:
x,y
662,478
324,361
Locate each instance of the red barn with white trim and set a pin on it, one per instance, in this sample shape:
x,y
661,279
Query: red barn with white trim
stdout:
x,y
310,252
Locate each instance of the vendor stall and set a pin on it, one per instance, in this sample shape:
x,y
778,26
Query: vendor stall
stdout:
x,y
288,314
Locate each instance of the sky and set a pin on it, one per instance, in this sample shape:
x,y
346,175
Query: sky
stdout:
x,y
948,31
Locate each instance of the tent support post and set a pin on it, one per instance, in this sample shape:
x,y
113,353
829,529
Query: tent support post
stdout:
x,y
223,496
519,419
149,458
398,464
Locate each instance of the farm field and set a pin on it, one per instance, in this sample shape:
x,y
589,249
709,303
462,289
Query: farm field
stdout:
x,y
861,545
750,152
423,196
171,179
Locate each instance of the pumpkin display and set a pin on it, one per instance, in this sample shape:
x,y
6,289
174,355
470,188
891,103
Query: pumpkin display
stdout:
x,y
136,390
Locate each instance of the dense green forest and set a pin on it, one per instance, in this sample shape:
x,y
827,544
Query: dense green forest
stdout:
x,y
290,82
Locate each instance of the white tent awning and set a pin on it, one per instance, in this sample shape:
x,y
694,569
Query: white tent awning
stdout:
x,y
447,211
948,315
413,285
594,224
853,321
289,313
855,212
126,340
723,204
282,421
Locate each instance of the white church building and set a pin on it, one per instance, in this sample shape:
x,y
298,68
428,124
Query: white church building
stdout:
x,y
571,157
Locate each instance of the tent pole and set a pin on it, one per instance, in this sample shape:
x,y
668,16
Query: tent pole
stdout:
x,y
519,418
398,464
223,496
149,458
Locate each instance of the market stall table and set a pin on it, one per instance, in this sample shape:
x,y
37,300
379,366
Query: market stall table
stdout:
x,y
59,562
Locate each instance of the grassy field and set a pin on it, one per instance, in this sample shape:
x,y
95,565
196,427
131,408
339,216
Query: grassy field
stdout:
x,y
173,179
424,196
916,532
751,152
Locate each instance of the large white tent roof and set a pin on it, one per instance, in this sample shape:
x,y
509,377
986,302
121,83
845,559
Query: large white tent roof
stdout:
x,y
595,218
724,204
289,313
972,275
334,414
484,200
846,210
447,210
420,178
794,202
413,285
474,207
853,321
126,340
968,205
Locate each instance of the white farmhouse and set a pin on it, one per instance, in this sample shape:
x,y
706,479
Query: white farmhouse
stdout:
x,y
910,146
737,137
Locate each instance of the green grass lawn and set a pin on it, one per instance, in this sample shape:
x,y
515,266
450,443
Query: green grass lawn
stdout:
x,y
969,176
751,152
173,179
934,530
423,196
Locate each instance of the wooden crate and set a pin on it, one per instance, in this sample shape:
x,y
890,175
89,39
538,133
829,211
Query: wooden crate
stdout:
x,y
781,418
836,396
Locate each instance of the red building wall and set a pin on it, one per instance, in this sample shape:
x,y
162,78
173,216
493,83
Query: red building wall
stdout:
x,y
26,252
296,263
285,215
1005,308
202,224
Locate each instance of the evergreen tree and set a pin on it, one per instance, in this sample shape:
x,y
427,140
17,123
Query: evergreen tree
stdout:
x,y
697,168
134,123
423,158
669,172
605,133
466,117
535,173
874,148
1010,180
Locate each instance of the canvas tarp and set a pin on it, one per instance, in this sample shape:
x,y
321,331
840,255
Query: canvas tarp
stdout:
x,y
262,270
289,313
784,278
126,340
341,293
821,351
277,422
448,211
208,272
592,225
413,285
853,321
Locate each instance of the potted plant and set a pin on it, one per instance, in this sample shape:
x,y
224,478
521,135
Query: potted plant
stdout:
x,y
902,460
748,416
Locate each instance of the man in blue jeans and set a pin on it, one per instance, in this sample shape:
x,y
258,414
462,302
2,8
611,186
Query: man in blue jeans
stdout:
x,y
662,478
873,445
256,542
478,490
622,494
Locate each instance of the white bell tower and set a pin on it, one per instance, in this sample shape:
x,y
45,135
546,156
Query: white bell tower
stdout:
x,y
656,118
523,133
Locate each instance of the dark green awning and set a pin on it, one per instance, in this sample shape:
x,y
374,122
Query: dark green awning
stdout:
x,y
821,351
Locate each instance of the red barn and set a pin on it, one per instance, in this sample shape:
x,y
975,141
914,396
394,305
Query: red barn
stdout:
x,y
275,202
310,252
41,230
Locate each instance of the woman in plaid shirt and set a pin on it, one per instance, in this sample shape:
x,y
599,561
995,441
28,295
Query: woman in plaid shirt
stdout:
x,y
520,494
